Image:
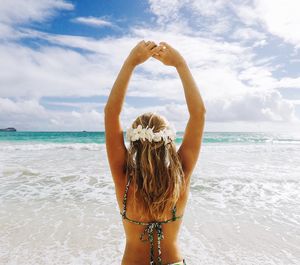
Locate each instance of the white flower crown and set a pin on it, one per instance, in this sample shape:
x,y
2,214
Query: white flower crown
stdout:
x,y
167,134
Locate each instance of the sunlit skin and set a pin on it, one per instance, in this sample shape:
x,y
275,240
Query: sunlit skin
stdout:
x,y
137,252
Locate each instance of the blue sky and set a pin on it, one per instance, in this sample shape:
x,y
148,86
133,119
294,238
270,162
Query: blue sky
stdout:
x,y
59,60
122,13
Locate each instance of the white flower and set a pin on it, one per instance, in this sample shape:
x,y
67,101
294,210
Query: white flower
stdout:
x,y
142,134
137,135
139,128
157,136
134,134
149,134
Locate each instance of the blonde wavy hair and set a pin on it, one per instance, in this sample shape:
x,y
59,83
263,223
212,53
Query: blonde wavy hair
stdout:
x,y
155,170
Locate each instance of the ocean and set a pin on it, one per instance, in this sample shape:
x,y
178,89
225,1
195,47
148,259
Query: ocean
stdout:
x,y
58,206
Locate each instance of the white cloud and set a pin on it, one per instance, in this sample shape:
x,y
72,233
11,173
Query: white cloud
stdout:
x,y
289,82
252,106
280,18
260,43
24,107
171,10
15,15
257,110
18,11
62,71
174,112
93,21
186,15
51,71
7,31
166,10
24,114
295,101
83,106
246,13
259,77
207,8
31,115
248,34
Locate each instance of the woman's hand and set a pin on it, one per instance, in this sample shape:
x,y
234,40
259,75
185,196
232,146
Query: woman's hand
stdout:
x,y
168,55
141,52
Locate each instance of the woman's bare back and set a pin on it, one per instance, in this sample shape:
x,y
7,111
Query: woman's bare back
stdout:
x,y
137,251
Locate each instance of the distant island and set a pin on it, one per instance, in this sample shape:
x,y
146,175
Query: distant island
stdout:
x,y
10,129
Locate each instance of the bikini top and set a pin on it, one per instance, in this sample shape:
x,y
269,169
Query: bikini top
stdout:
x,y
150,227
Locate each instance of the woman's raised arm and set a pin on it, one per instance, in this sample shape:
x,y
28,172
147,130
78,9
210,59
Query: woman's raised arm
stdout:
x,y
114,140
191,143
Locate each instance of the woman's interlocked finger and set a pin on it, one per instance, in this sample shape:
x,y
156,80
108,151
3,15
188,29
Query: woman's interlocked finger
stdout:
x,y
162,49
151,45
160,53
164,44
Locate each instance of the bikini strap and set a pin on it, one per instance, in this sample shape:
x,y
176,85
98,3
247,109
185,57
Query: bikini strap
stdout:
x,y
174,213
125,198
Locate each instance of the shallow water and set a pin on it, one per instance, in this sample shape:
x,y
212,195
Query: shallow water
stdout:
x,y
57,203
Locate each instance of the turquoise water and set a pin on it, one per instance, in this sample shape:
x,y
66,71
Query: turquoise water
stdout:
x,y
99,137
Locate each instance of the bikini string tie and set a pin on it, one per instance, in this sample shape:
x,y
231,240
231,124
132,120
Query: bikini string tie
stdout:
x,y
149,231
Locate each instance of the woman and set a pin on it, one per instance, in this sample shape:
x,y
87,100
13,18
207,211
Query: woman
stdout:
x,y
151,178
